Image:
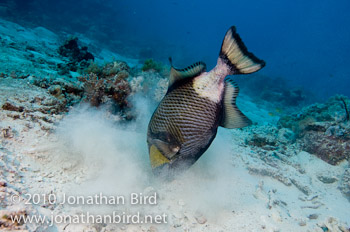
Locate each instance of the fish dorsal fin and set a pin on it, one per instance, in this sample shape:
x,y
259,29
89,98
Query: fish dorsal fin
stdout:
x,y
232,116
189,72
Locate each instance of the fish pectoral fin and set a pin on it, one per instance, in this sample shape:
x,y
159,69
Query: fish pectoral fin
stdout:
x,y
189,72
235,54
168,150
232,116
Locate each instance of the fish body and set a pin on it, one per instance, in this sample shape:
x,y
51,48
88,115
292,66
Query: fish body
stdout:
x,y
197,102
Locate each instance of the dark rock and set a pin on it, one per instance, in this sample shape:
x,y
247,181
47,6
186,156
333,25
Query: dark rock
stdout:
x,y
71,49
327,179
3,184
260,141
12,107
31,48
55,90
78,57
329,148
313,216
85,55
7,132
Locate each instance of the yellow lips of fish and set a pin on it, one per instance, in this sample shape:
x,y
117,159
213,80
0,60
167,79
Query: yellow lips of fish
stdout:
x,y
156,157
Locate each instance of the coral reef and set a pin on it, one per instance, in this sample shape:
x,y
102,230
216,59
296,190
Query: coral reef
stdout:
x,y
55,68
93,68
106,84
68,91
109,86
322,129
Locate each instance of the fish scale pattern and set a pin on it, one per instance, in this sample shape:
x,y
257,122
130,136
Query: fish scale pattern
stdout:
x,y
187,117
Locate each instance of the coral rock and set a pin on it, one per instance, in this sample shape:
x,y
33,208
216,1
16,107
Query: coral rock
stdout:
x,y
329,148
200,218
344,185
116,68
19,96
321,130
3,184
327,179
7,222
108,87
12,107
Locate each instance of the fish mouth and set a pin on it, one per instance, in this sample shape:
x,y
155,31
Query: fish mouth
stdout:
x,y
157,158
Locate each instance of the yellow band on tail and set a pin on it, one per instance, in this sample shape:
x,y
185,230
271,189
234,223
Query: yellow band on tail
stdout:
x,y
156,157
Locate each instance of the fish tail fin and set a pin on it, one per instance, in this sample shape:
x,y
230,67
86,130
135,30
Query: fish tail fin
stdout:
x,y
236,56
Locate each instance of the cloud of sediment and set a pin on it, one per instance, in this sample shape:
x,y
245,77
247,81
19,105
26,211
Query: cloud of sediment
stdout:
x,y
117,159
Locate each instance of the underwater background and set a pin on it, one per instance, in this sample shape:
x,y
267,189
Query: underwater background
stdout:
x,y
305,43
79,81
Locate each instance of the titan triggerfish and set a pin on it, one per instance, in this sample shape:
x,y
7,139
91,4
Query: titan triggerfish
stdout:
x,y
197,102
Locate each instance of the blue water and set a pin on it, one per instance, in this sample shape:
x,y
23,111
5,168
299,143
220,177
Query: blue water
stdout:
x,y
304,42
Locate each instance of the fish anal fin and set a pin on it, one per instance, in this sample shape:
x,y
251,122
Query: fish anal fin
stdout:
x,y
191,71
232,116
